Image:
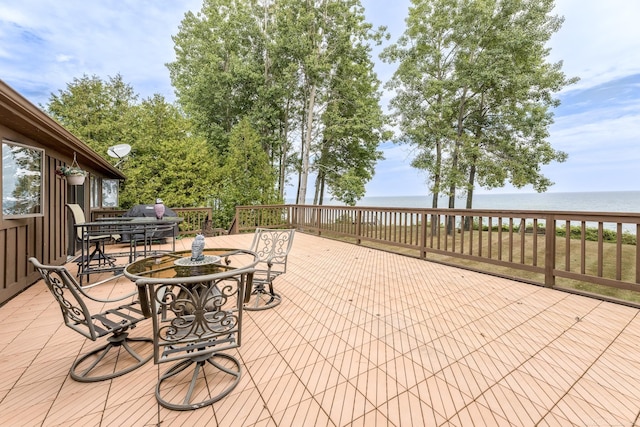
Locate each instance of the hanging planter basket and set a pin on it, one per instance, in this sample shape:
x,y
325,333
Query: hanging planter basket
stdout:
x,y
75,179
73,174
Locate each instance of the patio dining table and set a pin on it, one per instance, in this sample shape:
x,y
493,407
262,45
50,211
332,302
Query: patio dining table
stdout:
x,y
144,227
177,268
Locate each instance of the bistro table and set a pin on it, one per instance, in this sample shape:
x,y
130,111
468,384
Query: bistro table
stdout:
x,y
144,228
177,268
196,307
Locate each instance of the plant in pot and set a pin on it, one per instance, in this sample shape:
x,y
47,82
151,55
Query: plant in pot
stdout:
x,y
73,174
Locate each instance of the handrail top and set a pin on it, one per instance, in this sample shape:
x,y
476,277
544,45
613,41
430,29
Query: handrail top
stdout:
x,y
490,212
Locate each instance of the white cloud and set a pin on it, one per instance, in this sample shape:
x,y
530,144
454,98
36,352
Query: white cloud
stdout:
x,y
59,41
63,58
598,40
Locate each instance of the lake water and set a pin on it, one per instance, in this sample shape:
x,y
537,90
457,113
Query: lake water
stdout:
x,y
611,201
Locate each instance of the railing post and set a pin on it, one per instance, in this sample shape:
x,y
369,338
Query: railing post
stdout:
x,y
235,223
359,227
318,220
423,243
295,217
550,251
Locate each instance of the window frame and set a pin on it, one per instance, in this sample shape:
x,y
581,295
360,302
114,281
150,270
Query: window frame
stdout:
x,y
12,169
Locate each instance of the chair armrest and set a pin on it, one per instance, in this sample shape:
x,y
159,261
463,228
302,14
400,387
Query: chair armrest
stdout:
x,y
143,297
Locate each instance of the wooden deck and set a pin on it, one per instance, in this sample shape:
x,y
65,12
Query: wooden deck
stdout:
x,y
362,338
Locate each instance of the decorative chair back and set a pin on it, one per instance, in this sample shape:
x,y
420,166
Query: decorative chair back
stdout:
x,y
193,317
69,295
114,321
272,247
78,218
196,319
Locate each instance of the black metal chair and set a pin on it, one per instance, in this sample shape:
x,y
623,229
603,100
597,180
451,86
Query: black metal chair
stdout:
x,y
196,319
116,357
272,247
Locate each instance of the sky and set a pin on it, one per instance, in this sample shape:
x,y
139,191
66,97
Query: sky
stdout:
x,y
44,45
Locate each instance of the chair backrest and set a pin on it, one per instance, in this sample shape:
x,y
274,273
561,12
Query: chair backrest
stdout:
x,y
78,218
272,247
69,295
197,317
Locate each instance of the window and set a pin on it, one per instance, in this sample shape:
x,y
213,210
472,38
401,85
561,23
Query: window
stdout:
x,y
109,193
22,180
95,192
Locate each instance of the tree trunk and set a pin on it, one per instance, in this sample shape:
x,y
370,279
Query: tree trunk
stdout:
x,y
282,171
304,173
468,221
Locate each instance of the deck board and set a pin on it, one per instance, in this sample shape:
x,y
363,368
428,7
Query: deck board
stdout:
x,y
362,338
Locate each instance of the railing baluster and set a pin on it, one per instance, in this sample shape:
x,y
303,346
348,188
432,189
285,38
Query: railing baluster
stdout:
x,y
567,249
451,233
600,248
619,251
550,251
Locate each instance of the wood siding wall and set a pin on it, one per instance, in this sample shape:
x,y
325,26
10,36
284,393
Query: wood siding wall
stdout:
x,y
43,237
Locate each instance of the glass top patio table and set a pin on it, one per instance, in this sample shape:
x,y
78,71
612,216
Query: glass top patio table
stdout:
x,y
173,267
176,268
144,228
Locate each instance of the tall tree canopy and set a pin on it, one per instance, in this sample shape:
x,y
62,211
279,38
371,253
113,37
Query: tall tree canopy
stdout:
x,y
96,111
285,65
246,178
167,159
473,92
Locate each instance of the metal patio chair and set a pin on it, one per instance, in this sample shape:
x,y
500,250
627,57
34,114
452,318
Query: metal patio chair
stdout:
x,y
87,239
118,356
272,247
195,320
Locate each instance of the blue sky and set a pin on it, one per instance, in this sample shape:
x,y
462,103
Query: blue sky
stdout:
x,y
44,45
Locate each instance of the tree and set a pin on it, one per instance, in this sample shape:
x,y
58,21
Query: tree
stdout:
x,y
218,66
480,113
274,62
352,120
247,178
332,52
96,111
167,158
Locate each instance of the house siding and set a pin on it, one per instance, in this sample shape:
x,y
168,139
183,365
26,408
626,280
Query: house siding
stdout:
x,y
44,237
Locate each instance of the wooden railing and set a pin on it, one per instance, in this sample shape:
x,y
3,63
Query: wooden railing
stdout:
x,y
196,220
593,253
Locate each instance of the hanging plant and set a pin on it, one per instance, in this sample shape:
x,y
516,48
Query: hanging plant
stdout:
x,y
73,173
70,171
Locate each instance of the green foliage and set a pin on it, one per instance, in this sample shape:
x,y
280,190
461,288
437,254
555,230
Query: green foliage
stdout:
x,y
167,159
474,93
300,71
575,232
246,177
591,234
96,111
344,218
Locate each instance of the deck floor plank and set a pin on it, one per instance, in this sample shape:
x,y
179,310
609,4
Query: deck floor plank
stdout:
x,y
362,338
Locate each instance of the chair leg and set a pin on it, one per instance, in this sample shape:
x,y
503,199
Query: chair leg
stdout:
x,y
99,254
262,299
84,372
218,382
